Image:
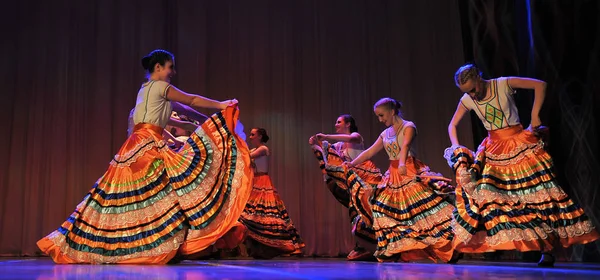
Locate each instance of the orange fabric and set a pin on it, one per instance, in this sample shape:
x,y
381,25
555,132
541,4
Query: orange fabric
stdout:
x,y
194,245
141,161
159,130
47,246
394,174
516,177
440,251
505,133
267,220
414,167
412,220
233,238
478,245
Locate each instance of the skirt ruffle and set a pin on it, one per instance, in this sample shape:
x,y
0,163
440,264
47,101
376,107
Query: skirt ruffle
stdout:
x,y
405,213
153,203
267,220
508,198
330,162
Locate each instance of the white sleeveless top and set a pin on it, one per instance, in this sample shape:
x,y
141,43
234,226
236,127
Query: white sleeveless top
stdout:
x,y
152,105
392,143
349,150
499,111
261,163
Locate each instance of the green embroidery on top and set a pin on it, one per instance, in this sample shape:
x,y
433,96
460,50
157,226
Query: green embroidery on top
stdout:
x,y
494,115
393,149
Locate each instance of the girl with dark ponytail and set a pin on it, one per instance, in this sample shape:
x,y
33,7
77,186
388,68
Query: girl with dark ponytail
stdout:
x,y
346,138
348,144
271,232
154,204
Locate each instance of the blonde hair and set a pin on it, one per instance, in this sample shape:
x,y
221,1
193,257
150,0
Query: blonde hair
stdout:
x,y
466,72
390,104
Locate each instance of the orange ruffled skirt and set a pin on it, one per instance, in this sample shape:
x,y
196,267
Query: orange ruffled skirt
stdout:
x,y
403,214
153,203
515,202
409,217
330,161
268,223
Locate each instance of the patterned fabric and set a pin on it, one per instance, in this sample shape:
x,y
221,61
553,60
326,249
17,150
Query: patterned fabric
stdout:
x,y
515,202
403,214
409,218
497,112
153,203
337,183
393,140
494,116
268,222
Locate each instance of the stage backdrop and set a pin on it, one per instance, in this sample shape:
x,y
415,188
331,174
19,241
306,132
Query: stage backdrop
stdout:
x,y
71,71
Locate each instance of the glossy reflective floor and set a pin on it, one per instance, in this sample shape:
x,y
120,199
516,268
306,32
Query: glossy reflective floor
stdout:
x,y
307,268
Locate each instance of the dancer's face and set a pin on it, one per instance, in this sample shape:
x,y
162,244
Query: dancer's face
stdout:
x,y
341,126
384,115
474,87
254,138
176,131
165,72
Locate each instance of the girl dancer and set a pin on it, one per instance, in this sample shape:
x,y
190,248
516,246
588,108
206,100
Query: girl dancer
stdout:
x,y
348,145
270,229
178,109
513,201
153,203
410,220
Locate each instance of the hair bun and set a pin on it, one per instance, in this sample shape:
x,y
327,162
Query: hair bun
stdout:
x,y
146,62
398,105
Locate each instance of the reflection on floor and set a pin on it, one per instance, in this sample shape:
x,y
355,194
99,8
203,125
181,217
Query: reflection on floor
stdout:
x,y
306,268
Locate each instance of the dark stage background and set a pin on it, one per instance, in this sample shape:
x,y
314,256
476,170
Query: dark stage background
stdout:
x,y
72,70
558,42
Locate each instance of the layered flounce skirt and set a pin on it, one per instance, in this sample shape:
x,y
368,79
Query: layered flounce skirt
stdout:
x,y
153,203
270,228
507,197
404,215
409,217
330,161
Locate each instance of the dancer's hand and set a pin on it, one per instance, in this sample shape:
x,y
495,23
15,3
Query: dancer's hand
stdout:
x,y
349,164
535,123
402,170
312,140
321,136
227,103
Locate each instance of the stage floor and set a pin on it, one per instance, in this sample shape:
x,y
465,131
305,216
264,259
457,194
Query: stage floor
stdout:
x,y
306,268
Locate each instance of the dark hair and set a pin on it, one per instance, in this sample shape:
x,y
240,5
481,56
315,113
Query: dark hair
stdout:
x,y
349,119
188,119
390,104
156,56
466,72
263,134
185,118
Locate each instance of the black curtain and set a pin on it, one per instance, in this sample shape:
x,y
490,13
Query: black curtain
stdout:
x,y
558,42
